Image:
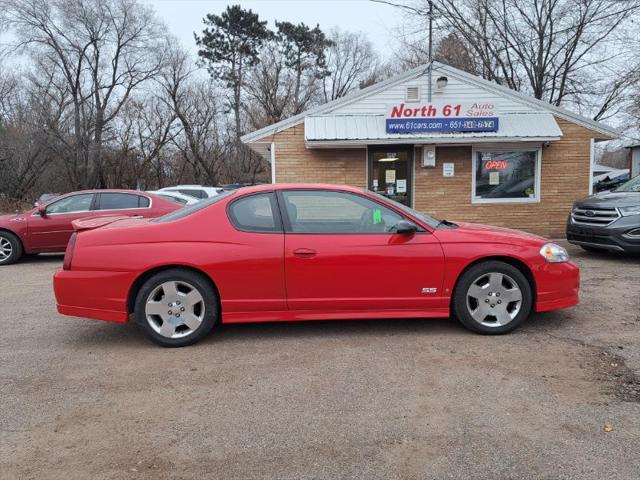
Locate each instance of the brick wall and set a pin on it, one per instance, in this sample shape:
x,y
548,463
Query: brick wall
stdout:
x,y
565,178
297,164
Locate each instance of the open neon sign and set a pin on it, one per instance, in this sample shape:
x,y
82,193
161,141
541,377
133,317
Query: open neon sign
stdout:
x,y
495,165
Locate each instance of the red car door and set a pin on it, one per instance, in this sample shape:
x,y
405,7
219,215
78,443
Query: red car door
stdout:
x,y
51,231
341,253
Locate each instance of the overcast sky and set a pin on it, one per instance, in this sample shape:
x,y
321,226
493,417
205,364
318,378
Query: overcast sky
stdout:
x,y
378,21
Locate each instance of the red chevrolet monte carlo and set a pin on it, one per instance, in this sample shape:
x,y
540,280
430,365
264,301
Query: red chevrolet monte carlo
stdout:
x,y
47,228
306,252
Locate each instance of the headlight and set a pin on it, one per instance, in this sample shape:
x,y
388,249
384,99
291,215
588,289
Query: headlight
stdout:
x,y
626,211
553,253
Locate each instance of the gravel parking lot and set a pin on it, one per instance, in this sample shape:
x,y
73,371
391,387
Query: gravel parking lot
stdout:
x,y
559,398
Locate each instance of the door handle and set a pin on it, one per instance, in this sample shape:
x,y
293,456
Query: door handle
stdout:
x,y
304,252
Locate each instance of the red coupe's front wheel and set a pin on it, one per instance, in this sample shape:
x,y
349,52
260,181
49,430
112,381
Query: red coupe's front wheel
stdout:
x,y
176,307
492,297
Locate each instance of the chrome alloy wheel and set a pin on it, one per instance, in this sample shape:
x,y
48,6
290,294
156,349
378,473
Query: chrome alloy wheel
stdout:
x,y
494,299
6,249
174,309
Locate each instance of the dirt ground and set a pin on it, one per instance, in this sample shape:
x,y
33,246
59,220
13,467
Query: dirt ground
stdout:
x,y
410,399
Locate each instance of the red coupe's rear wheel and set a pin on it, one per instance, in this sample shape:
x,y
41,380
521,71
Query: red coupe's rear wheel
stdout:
x,y
176,308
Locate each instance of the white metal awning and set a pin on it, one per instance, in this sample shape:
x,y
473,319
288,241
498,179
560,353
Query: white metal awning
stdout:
x,y
355,130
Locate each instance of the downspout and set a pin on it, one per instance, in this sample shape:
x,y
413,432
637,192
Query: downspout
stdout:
x,y
430,67
272,151
591,160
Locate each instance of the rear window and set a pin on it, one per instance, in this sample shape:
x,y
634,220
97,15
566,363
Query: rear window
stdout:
x,y
121,201
190,209
256,213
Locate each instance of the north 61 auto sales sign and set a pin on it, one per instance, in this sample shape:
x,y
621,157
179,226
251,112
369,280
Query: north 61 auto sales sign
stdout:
x,y
441,117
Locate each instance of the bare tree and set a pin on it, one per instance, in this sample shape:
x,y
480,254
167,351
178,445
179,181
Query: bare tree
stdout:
x,y
453,51
194,101
101,50
270,89
29,114
144,132
8,85
351,62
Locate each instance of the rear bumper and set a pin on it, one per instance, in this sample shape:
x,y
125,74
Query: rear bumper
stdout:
x,y
108,315
558,286
93,294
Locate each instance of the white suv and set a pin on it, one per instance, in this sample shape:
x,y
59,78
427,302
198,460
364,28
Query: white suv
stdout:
x,y
197,191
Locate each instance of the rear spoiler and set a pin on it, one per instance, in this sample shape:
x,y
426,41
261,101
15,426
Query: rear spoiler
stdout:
x,y
97,222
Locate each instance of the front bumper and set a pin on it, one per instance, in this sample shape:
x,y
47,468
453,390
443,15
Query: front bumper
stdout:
x,y
613,237
557,286
93,294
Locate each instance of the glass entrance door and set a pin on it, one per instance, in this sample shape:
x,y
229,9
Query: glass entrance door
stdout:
x,y
390,172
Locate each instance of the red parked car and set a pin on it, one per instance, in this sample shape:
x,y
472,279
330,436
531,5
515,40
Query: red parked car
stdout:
x,y
47,227
306,252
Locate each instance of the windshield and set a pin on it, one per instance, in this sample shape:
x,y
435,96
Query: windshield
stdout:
x,y
188,210
432,222
632,185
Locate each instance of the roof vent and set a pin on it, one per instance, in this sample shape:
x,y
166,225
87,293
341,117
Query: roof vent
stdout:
x,y
412,94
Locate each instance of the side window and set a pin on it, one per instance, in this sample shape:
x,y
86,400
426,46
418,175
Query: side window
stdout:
x,y
74,203
325,211
255,213
121,201
194,193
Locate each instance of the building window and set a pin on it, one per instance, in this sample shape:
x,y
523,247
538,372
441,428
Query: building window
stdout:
x,y
506,176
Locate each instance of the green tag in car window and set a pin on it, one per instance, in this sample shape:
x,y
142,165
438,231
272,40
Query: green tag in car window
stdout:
x,y
377,216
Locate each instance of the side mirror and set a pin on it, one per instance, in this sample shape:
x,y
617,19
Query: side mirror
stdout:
x,y
42,210
405,227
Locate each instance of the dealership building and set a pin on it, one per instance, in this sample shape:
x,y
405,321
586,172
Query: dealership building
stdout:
x,y
447,143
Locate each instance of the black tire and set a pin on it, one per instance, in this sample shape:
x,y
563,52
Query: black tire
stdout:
x,y
15,245
460,307
198,282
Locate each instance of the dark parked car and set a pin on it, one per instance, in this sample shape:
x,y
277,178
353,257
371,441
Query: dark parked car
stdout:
x,y
611,183
608,220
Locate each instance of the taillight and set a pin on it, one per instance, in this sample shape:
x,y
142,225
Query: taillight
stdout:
x,y
68,253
